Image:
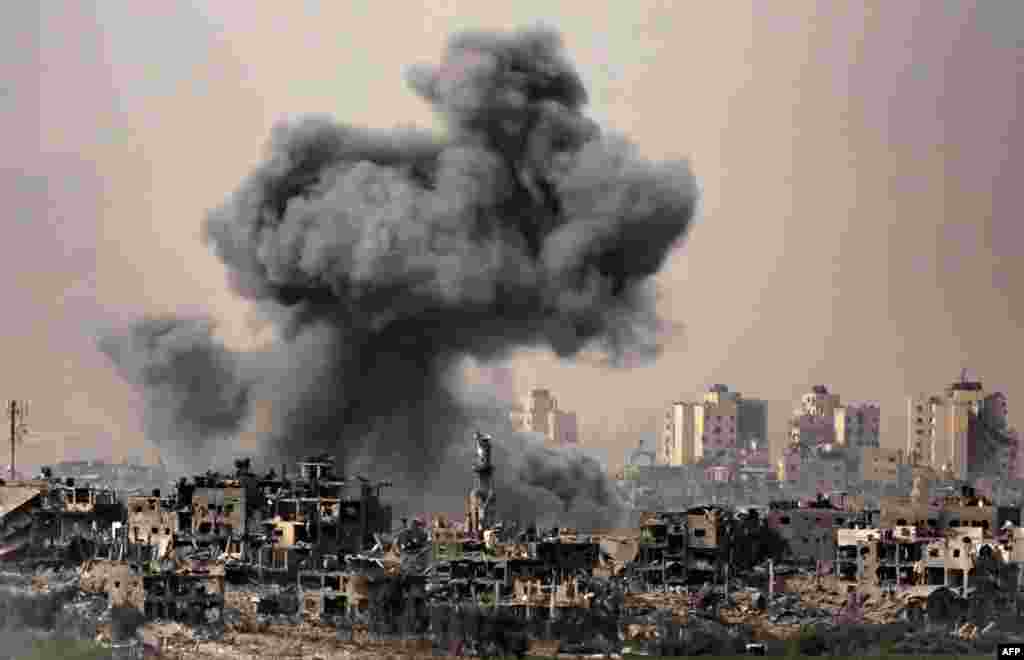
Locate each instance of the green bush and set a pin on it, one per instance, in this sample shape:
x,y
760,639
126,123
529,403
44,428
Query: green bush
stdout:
x,y
66,650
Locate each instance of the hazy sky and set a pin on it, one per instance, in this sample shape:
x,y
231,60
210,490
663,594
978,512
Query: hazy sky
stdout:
x,y
861,166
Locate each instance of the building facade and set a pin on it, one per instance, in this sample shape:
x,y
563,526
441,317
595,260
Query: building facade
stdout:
x,y
819,402
858,426
1016,467
716,424
926,428
812,432
812,425
714,429
678,445
563,428
539,413
754,464
962,432
880,465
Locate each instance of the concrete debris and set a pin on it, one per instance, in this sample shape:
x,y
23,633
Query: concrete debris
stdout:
x,y
244,566
967,631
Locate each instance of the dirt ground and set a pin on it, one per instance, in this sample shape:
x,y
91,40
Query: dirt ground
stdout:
x,y
292,642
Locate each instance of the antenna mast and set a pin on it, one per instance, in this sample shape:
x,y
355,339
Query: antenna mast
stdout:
x,y
17,412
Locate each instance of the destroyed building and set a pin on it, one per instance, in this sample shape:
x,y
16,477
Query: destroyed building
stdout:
x,y
56,513
662,558
809,531
330,541
482,562
933,541
321,514
17,504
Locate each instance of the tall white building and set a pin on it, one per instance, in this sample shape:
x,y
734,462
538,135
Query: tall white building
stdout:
x,y
677,445
926,430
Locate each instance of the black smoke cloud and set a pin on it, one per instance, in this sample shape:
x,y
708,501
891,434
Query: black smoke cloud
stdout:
x,y
195,388
387,257
533,483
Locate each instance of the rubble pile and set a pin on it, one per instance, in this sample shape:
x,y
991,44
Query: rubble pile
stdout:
x,y
677,604
965,638
301,641
243,567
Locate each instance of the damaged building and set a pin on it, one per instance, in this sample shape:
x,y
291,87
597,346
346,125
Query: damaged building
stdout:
x,y
187,545
661,559
322,547
54,514
945,541
17,522
320,515
808,530
680,549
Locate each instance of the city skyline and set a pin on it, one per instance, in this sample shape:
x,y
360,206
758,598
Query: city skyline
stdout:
x,y
857,225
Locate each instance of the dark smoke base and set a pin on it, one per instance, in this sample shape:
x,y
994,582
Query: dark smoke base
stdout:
x,y
384,258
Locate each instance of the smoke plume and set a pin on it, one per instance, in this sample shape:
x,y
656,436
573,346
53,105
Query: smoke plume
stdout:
x,y
389,256
195,388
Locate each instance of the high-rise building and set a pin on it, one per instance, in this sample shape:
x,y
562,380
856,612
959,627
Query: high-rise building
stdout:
x,y
563,430
858,426
880,465
539,413
812,425
926,428
822,422
961,431
754,461
715,428
813,432
752,425
825,441
964,401
716,422
1015,469
819,402
677,445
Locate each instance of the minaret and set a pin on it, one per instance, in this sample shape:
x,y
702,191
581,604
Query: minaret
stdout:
x,y
482,498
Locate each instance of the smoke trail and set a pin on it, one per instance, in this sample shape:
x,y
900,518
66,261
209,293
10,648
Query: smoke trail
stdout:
x,y
392,255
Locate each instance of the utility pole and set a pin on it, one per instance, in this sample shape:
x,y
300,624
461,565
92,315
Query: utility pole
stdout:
x,y
17,411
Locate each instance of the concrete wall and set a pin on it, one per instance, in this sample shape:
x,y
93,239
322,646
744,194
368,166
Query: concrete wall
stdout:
x,y
881,465
810,532
148,523
219,506
703,530
858,425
